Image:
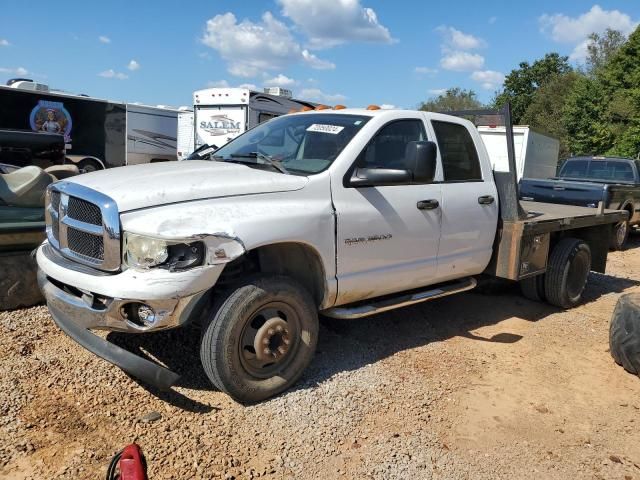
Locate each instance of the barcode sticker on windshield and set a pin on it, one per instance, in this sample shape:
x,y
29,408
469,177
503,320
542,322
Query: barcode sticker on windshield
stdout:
x,y
332,129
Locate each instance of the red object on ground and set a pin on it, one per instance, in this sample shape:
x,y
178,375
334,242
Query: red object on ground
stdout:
x,y
132,466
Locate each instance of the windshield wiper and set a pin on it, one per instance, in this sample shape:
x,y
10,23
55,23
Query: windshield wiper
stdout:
x,y
261,156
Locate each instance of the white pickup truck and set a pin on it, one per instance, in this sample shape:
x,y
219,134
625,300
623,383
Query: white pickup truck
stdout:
x,y
342,212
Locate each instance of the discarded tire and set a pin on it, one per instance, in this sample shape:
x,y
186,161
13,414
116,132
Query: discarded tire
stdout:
x,y
624,333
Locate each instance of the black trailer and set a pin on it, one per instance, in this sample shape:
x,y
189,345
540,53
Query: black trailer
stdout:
x,y
95,131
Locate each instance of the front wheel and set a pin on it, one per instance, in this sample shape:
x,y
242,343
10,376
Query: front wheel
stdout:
x,y
619,235
260,338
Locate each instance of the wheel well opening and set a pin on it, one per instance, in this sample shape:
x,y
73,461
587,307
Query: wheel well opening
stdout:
x,y
294,260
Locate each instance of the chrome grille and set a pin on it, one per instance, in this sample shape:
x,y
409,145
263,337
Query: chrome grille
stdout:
x,y
84,211
85,244
55,200
84,225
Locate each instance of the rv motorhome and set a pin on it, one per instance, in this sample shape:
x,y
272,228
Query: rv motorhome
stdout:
x,y
98,133
221,114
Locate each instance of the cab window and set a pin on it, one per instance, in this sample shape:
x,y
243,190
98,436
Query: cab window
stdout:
x,y
460,162
387,149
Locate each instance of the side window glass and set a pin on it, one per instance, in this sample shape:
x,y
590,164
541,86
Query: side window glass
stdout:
x,y
387,148
460,161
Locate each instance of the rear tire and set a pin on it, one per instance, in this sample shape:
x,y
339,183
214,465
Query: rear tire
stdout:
x,y
533,288
624,333
619,236
567,272
259,338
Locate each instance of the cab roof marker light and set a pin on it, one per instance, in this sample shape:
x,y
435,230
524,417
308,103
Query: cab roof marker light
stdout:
x,y
373,107
322,107
339,107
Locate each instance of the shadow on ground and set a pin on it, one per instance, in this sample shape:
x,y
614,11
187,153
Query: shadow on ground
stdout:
x,y
351,344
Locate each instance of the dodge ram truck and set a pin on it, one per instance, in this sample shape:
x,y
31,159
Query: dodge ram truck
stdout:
x,y
590,181
341,212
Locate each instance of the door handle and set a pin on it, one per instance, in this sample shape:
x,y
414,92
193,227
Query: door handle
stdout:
x,y
486,200
428,204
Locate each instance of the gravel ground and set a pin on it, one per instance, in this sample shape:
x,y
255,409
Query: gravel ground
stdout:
x,y
480,385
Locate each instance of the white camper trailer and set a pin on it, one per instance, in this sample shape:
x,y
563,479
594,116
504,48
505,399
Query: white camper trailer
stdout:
x,y
185,133
151,133
221,114
536,154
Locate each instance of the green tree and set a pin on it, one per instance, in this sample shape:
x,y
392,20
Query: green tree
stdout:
x,y
602,113
453,99
522,83
602,48
545,112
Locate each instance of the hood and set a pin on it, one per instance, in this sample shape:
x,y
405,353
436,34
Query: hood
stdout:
x,y
149,185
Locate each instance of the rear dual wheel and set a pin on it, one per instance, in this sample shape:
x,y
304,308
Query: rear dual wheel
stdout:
x,y
260,337
566,277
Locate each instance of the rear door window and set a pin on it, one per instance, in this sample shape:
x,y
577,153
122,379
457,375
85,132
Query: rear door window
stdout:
x,y
460,162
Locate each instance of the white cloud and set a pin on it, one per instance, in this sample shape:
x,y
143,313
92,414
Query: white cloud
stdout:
x,y
315,62
488,79
387,106
20,71
104,39
331,23
111,73
317,95
437,91
425,70
575,30
462,61
133,65
217,84
250,48
4,42
456,40
280,81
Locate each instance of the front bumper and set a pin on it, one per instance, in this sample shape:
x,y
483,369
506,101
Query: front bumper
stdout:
x,y
78,299
69,314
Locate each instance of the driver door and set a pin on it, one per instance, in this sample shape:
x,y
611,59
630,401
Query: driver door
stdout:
x,y
387,236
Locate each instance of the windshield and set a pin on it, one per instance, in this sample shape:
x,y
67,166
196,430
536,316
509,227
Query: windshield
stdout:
x,y
298,144
598,170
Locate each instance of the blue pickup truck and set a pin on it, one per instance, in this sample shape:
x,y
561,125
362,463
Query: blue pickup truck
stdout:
x,y
587,181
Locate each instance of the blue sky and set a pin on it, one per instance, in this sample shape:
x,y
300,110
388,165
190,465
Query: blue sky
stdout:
x,y
354,52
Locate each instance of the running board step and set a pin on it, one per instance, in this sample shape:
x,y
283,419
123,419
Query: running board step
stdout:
x,y
384,304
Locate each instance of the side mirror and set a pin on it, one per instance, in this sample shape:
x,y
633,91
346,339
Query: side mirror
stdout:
x,y
420,159
378,177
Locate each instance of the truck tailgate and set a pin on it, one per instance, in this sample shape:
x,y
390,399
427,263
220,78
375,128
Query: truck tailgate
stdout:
x,y
586,194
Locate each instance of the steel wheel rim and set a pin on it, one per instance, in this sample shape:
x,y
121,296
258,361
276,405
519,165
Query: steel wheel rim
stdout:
x,y
577,274
277,323
621,232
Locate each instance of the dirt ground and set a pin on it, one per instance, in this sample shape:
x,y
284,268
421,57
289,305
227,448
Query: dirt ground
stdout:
x,y
480,385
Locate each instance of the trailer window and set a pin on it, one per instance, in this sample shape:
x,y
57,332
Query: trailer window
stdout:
x,y
460,162
263,117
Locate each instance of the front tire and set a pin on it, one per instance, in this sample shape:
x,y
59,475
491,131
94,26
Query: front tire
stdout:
x,y
260,338
619,235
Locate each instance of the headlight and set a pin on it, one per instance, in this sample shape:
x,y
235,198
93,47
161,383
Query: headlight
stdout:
x,y
144,252
141,251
